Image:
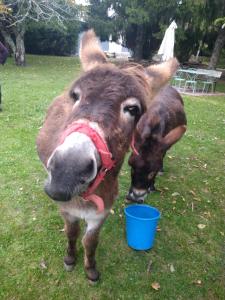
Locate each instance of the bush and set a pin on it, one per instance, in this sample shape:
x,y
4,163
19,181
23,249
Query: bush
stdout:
x,y
49,39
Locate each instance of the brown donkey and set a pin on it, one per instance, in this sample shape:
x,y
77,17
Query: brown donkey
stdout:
x,y
85,136
159,128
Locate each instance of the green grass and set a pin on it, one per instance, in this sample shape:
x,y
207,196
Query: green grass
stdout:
x,y
30,224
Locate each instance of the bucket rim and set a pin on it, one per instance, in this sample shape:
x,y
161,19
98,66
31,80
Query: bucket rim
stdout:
x,y
142,205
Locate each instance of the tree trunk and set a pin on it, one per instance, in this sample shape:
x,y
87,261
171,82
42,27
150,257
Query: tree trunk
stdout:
x,y
220,41
20,49
138,50
9,41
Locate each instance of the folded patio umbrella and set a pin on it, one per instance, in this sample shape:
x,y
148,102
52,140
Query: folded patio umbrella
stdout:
x,y
167,45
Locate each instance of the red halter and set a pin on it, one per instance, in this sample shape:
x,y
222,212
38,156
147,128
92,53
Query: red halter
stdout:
x,y
106,159
133,146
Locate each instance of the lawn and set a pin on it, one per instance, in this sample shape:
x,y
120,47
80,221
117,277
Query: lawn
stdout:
x,y
187,262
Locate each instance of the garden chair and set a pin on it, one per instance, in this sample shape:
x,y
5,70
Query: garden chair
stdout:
x,y
191,82
210,83
178,81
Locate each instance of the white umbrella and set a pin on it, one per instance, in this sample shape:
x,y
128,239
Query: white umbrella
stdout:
x,y
167,46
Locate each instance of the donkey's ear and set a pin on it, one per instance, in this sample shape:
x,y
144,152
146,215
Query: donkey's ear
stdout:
x,y
145,132
173,136
149,126
91,53
143,128
160,74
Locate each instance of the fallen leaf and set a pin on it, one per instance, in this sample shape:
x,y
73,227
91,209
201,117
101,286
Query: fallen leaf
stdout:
x,y
112,212
175,194
155,286
62,230
43,264
158,229
207,214
197,199
198,282
201,226
192,192
149,268
172,269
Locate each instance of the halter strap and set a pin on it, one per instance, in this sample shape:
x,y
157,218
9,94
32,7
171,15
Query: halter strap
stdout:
x,y
133,146
106,159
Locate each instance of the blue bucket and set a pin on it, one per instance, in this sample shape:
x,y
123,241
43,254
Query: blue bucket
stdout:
x,y
141,224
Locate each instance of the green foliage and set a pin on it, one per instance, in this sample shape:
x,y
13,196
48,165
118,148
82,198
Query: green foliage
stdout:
x,y
97,18
51,39
219,21
143,23
32,245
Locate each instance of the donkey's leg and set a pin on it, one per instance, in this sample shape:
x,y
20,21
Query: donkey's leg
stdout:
x,y
161,170
90,242
72,230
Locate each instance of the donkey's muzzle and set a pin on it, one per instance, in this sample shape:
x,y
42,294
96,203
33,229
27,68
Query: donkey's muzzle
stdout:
x,y
72,167
136,196
56,194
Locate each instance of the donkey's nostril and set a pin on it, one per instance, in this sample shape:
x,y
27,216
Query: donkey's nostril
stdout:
x,y
82,181
90,166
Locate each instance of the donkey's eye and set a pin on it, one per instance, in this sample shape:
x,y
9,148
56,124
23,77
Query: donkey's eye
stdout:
x,y
133,110
75,96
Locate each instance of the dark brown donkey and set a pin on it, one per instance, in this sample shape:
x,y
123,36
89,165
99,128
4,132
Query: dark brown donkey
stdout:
x,y
159,128
86,133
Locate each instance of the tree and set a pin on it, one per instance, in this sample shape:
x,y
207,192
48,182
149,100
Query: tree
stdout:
x,y
219,43
136,21
142,24
16,15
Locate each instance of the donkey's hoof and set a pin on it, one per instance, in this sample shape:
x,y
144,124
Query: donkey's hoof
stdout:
x,y
69,263
69,268
93,283
93,275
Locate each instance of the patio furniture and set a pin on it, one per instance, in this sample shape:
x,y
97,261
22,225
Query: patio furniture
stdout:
x,y
190,84
193,77
207,85
178,81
